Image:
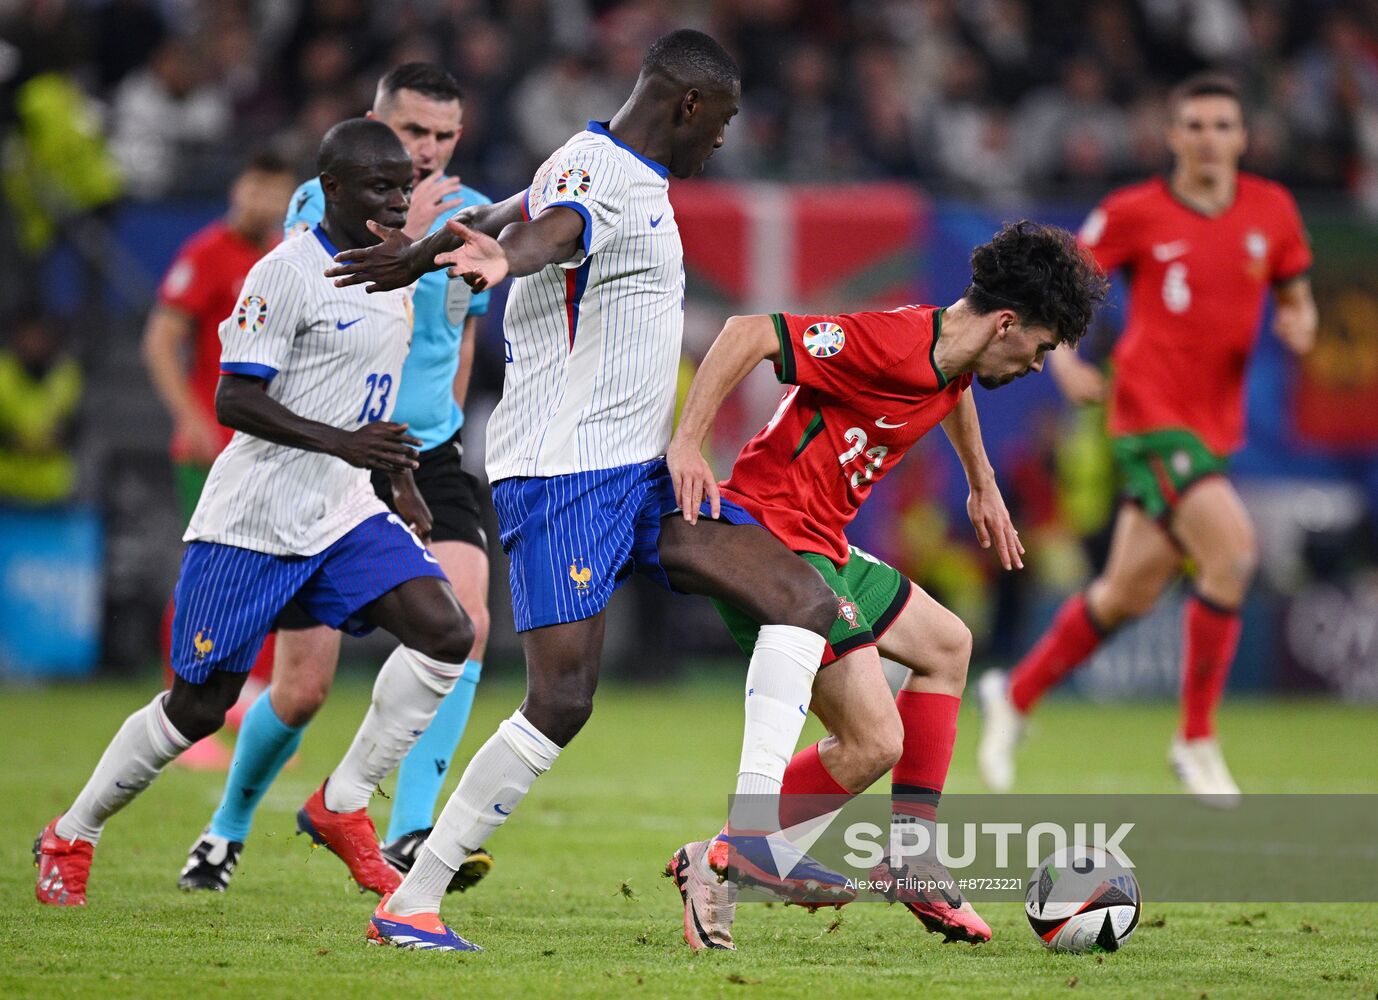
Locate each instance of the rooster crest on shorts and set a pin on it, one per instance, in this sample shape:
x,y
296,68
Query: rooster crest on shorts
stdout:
x,y
203,643
580,575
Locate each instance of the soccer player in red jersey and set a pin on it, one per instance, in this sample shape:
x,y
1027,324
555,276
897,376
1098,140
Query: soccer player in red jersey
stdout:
x,y
1201,248
864,388
182,352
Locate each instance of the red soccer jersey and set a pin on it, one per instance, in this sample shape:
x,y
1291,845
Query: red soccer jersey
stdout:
x,y
866,388
204,282
1196,293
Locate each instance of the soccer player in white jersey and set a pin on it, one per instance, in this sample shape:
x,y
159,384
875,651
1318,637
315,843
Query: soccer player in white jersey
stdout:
x,y
576,449
309,374
422,104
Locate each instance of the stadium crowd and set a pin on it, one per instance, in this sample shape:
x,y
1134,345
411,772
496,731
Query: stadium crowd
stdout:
x,y
999,100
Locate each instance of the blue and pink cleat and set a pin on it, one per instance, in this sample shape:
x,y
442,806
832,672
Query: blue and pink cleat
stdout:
x,y
422,931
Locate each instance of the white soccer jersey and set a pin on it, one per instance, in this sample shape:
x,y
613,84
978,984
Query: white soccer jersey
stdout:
x,y
593,344
329,354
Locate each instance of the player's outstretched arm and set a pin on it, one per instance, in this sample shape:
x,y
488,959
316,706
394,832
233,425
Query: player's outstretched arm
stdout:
x,y
1294,318
985,505
745,341
553,237
242,404
394,263
494,218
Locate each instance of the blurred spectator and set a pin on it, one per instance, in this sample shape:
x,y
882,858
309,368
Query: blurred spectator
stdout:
x,y
168,120
1072,131
1066,88
40,390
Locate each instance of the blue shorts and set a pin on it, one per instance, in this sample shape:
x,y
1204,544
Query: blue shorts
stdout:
x,y
228,598
572,540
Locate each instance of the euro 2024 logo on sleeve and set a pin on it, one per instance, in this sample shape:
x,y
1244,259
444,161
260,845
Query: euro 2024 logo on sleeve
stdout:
x,y
574,183
825,339
253,313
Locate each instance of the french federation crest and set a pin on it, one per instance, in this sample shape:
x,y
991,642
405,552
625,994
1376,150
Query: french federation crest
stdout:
x,y
253,313
823,340
574,183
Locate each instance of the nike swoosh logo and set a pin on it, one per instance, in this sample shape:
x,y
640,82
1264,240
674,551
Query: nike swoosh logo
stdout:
x,y
248,792
880,422
497,808
655,219
127,788
1167,251
341,325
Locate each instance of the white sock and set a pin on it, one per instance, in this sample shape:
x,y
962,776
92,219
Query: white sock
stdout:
x,y
492,786
140,750
779,685
423,887
409,689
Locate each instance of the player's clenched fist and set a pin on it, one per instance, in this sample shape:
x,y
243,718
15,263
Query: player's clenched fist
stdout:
x,y
382,445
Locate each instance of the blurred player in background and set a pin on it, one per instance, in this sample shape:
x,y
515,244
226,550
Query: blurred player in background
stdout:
x,y
865,388
422,105
289,514
594,326
1200,249
182,352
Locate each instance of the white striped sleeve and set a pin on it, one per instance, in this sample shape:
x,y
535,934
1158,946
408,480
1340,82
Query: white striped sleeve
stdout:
x,y
256,338
591,182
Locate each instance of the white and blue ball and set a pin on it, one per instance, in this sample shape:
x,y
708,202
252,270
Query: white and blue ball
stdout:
x,y
1082,899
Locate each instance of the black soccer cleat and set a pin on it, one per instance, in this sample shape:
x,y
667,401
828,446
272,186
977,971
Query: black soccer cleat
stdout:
x,y
401,854
210,863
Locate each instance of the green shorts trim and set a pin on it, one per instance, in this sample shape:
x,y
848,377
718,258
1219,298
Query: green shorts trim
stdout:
x,y
1156,468
188,480
870,596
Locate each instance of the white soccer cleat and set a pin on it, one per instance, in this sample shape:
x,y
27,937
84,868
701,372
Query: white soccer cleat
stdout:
x,y
709,902
1002,727
1201,768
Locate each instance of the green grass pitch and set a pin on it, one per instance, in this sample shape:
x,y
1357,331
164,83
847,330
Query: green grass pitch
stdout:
x,y
576,906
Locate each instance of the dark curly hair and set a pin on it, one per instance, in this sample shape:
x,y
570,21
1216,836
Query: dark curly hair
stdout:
x,y
1040,273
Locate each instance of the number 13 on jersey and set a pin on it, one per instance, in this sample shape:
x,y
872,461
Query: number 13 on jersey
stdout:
x,y
381,386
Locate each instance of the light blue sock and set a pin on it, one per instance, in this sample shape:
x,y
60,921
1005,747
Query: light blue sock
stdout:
x,y
423,770
265,743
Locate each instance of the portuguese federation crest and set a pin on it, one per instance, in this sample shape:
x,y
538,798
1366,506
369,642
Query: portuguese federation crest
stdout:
x,y
823,340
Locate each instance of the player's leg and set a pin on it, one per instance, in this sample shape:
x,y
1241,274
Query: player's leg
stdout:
x,y
936,647
1143,559
306,656
1215,529
747,568
423,770
226,599
567,539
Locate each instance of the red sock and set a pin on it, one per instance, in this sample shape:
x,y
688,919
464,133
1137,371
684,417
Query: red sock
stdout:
x,y
1212,636
1072,637
806,777
930,731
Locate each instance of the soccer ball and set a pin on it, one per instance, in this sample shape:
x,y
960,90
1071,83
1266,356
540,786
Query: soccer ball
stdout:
x,y
1082,899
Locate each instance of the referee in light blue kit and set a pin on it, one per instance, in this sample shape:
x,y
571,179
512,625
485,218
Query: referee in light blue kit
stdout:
x,y
423,105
